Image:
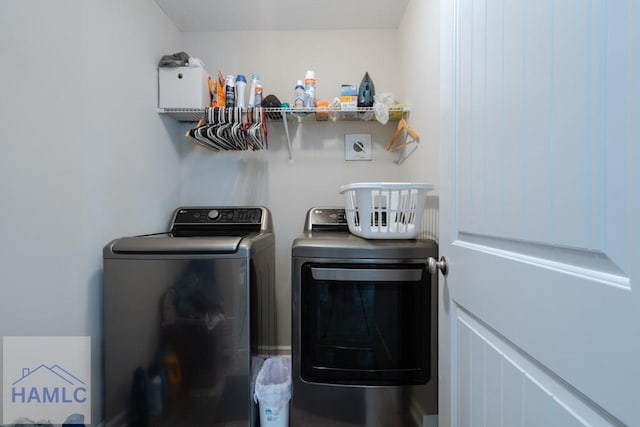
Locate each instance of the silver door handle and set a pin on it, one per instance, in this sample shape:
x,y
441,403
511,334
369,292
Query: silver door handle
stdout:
x,y
366,275
441,265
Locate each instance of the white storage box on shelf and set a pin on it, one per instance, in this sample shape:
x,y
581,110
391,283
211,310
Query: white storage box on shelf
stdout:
x,y
385,210
183,87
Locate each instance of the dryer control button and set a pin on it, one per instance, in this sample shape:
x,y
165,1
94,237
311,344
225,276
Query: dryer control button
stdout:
x,y
213,214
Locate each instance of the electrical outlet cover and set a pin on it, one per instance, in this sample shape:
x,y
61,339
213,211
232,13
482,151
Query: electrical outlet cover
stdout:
x,y
357,146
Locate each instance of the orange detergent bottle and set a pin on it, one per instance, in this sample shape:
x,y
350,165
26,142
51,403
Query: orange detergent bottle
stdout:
x,y
174,374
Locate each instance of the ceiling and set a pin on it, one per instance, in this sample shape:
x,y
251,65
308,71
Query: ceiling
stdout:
x,y
247,15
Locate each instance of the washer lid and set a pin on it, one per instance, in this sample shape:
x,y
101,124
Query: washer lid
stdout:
x,y
176,245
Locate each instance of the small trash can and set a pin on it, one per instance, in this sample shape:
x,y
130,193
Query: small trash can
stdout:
x,y
256,364
273,391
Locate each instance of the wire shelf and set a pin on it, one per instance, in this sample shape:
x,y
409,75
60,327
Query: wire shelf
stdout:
x,y
351,114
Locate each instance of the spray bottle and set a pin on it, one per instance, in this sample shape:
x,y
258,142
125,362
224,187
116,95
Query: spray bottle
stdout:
x,y
299,98
310,89
241,84
252,90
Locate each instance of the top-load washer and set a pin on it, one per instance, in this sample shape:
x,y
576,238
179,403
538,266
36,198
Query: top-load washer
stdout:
x,y
186,313
364,327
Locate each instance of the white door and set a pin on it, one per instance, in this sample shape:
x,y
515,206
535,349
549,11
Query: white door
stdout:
x,y
540,213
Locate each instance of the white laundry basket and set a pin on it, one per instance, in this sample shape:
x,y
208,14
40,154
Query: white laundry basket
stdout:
x,y
385,210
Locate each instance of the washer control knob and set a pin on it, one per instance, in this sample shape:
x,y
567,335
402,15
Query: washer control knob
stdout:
x,y
213,214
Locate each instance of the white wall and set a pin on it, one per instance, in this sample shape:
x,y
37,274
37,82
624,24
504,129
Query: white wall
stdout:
x,y
419,41
85,156
419,44
318,169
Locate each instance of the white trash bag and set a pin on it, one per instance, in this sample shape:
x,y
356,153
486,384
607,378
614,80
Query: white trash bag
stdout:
x,y
273,391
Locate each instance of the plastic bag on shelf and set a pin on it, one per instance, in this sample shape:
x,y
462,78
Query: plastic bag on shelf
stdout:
x,y
381,105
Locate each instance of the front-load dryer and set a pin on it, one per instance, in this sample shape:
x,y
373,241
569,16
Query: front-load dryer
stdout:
x,y
364,327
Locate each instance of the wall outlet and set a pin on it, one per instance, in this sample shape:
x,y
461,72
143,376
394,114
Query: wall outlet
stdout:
x,y
357,146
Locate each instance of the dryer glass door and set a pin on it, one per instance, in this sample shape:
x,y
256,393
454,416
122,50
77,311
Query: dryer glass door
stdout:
x,y
365,324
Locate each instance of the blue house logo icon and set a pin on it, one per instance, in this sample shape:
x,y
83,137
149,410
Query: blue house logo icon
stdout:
x,y
46,378
48,385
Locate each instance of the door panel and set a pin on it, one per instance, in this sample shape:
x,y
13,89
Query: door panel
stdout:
x,y
524,109
500,385
538,213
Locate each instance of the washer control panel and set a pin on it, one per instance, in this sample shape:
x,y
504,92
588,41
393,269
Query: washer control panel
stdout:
x,y
217,216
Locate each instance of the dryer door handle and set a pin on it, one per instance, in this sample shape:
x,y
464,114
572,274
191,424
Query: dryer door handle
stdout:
x,y
366,274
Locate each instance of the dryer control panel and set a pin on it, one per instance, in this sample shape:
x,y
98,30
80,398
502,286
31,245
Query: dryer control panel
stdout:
x,y
327,219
